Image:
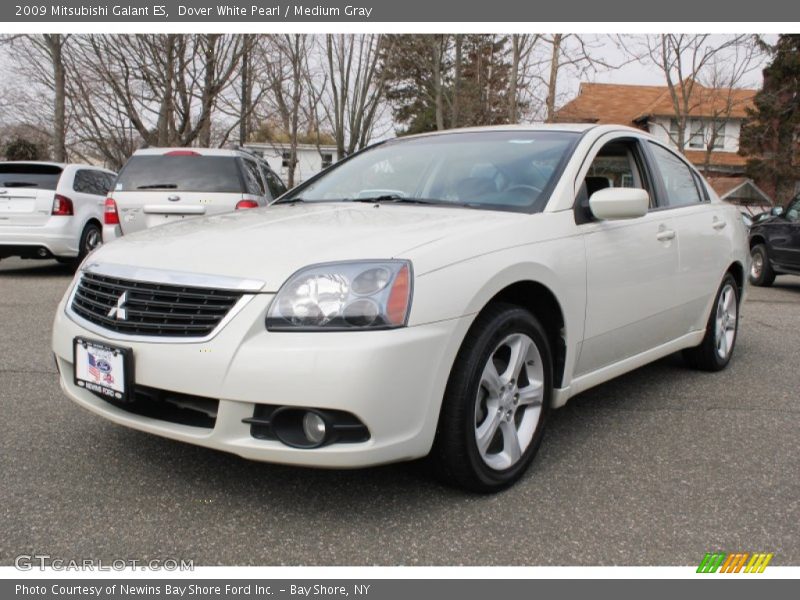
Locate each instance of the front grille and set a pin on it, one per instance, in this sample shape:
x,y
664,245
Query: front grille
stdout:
x,y
151,309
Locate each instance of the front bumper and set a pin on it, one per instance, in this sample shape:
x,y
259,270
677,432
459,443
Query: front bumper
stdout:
x,y
58,236
393,381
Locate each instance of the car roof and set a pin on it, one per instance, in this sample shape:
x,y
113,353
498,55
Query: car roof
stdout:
x,y
56,164
35,162
533,127
201,151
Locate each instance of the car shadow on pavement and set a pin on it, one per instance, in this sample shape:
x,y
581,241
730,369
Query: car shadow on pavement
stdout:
x,y
215,476
35,269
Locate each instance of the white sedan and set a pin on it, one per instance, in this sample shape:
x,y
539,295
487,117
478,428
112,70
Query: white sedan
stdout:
x,y
432,295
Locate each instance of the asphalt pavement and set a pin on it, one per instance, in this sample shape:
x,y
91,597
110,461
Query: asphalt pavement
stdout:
x,y
654,468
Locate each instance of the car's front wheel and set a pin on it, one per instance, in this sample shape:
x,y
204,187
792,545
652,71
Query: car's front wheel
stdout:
x,y
761,272
497,401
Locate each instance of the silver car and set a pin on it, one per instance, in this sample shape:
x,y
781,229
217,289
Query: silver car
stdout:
x,y
163,185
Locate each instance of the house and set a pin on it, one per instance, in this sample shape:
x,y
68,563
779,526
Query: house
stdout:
x,y
711,135
311,159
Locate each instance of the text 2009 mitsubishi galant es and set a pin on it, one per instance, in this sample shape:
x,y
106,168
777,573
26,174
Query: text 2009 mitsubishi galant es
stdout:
x,y
436,294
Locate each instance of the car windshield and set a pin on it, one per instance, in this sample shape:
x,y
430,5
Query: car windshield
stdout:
x,y
21,175
193,173
507,170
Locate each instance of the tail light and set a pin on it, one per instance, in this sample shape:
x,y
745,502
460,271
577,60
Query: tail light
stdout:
x,y
110,214
62,206
242,204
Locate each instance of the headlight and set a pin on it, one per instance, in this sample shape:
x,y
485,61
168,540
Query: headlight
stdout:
x,y
344,296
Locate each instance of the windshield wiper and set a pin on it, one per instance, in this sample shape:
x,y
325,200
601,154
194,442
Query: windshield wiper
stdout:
x,y
396,198
158,186
288,201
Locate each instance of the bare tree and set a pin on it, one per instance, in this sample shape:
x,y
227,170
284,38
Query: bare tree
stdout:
x,y
724,81
285,73
521,47
684,59
353,101
166,85
41,59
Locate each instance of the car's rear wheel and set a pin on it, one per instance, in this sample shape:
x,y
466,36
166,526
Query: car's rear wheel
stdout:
x,y
761,272
497,401
716,349
91,238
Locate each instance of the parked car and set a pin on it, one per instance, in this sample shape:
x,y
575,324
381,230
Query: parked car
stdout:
x,y
51,210
775,244
435,294
162,185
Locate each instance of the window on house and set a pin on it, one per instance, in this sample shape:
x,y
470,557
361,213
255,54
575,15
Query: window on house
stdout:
x,y
673,131
698,134
719,135
327,159
287,159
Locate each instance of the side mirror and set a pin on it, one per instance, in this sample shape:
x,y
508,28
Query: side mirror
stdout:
x,y
776,211
619,203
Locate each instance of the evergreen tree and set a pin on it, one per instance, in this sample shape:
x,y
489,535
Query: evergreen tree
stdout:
x,y
441,79
771,133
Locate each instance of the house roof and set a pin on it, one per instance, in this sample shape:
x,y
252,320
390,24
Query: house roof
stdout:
x,y
608,103
738,189
628,104
703,102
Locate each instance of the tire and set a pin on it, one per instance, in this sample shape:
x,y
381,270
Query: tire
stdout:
x,y
715,351
487,399
91,238
761,272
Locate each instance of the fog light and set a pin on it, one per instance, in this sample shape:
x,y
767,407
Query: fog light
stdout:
x,y
314,428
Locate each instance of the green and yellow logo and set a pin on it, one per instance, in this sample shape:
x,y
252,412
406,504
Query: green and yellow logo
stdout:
x,y
736,562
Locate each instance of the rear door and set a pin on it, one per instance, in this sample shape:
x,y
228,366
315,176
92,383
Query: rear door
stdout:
x,y
702,232
26,193
154,189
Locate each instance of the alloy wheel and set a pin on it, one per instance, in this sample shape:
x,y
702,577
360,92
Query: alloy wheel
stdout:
x,y
725,329
509,402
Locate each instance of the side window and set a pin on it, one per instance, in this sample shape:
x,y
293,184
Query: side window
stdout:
x,y
275,185
108,182
617,164
252,178
679,180
793,212
82,183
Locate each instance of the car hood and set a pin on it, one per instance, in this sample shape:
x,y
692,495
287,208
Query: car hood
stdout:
x,y
270,244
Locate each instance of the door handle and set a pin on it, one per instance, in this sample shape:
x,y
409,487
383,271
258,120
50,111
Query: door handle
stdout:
x,y
664,235
718,224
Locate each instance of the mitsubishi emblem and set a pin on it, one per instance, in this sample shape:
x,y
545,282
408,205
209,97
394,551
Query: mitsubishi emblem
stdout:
x,y
119,311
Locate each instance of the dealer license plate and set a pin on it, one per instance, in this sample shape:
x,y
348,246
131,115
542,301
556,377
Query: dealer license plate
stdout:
x,y
102,369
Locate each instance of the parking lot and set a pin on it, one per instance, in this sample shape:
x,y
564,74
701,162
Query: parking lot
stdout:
x,y
656,467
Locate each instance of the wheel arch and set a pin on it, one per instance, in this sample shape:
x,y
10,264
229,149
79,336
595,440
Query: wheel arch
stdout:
x,y
542,303
757,239
737,270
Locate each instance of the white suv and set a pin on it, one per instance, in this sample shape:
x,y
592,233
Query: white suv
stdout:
x,y
163,185
51,210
